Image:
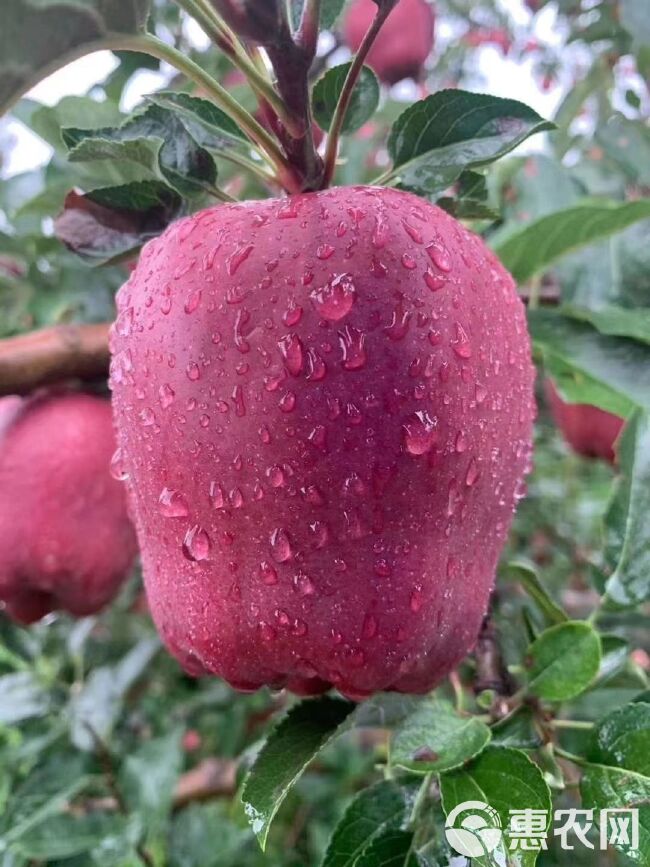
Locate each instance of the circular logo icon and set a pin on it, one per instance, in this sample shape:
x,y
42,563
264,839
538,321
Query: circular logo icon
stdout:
x,y
473,829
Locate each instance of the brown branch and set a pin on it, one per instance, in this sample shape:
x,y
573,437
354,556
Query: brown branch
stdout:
x,y
491,671
53,355
211,778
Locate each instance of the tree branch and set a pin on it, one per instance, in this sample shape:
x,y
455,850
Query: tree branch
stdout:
x,y
491,671
52,355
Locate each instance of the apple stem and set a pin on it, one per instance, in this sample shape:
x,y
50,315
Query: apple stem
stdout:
x,y
291,56
491,672
336,126
307,33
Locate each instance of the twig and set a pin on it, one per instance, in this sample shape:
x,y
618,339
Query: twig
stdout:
x,y
223,37
349,84
211,778
106,760
52,355
491,671
291,63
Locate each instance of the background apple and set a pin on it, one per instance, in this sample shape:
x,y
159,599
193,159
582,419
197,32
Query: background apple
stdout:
x,y
590,431
404,43
66,541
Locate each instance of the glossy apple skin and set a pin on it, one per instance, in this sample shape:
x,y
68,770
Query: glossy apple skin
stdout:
x,y
404,42
590,431
333,394
66,542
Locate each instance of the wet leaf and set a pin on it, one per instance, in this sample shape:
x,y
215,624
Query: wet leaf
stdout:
x,y
363,104
438,138
563,661
436,738
627,522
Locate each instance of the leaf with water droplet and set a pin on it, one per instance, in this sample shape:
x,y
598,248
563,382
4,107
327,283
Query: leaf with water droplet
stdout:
x,y
291,746
435,738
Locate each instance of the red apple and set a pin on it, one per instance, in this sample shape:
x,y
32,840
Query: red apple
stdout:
x,y
66,541
404,42
590,431
324,407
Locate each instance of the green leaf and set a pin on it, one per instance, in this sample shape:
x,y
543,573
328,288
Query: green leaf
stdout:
x,y
622,738
612,320
563,661
612,273
504,779
384,710
435,738
38,38
606,788
634,17
371,813
393,848
156,141
48,121
517,730
541,243
202,835
22,697
208,125
611,372
293,743
64,836
149,775
627,522
95,709
627,143
615,652
49,788
364,102
438,138
467,209
329,12
526,574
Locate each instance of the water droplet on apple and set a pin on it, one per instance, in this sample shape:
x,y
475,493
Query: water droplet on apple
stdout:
x,y
420,433
334,300
280,545
172,504
196,545
352,342
291,349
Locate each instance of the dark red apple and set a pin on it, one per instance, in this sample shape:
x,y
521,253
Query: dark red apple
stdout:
x,y
324,407
404,42
66,541
590,431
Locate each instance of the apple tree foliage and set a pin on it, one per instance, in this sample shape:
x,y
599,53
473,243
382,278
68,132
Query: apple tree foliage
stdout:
x,y
109,755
